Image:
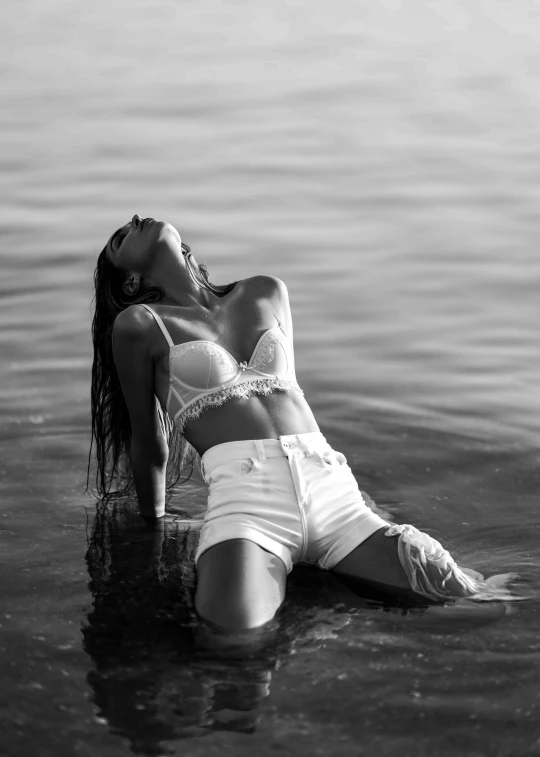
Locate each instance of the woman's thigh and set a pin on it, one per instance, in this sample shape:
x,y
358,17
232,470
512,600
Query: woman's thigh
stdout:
x,y
376,561
239,584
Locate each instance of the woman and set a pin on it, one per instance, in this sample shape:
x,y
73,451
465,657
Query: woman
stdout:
x,y
219,362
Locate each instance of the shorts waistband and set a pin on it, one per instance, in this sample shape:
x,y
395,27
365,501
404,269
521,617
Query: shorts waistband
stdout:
x,y
260,449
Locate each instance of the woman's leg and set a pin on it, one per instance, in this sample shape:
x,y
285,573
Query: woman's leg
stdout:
x,y
377,562
239,585
401,559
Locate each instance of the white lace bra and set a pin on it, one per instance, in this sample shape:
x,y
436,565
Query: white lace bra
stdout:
x,y
203,374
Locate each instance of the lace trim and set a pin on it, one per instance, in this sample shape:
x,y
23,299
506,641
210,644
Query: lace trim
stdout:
x,y
240,391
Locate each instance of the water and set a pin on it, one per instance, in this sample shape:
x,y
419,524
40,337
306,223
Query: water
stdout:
x,y
383,161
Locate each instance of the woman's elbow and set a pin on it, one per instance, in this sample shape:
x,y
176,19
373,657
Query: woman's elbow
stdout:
x,y
152,451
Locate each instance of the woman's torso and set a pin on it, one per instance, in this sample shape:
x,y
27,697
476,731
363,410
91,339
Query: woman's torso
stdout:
x,y
236,323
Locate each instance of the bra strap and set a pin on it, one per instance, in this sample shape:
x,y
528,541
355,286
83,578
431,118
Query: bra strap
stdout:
x,y
160,324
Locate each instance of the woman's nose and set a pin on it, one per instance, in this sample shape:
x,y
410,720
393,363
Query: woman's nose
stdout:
x,y
136,221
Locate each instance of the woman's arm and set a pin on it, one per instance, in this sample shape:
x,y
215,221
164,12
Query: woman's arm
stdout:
x,y
134,360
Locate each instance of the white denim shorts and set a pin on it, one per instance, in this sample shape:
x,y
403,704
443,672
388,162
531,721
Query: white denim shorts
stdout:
x,y
295,497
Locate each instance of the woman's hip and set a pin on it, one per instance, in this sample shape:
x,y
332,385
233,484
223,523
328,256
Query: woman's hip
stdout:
x,y
295,490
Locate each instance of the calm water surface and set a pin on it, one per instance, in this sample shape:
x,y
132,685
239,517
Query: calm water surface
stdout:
x,y
384,161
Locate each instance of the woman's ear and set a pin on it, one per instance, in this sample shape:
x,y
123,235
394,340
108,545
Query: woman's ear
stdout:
x,y
131,284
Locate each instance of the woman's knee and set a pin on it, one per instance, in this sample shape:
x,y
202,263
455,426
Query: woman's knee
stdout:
x,y
240,585
235,613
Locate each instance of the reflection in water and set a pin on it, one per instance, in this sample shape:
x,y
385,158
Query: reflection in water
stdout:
x,y
159,672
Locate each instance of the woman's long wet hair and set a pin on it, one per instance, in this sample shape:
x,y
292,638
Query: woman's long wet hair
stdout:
x,y
111,427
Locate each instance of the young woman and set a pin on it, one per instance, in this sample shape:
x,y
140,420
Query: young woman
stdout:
x,y
177,356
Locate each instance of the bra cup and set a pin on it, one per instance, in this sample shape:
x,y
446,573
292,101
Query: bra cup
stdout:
x,y
201,370
279,363
271,356
222,370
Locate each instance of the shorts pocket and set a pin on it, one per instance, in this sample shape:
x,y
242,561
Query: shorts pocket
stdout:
x,y
248,466
233,469
222,472
332,459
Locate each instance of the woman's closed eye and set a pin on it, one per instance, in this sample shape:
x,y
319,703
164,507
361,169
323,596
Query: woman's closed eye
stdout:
x,y
118,239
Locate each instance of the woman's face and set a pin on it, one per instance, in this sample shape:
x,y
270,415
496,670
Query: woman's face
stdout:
x,y
139,244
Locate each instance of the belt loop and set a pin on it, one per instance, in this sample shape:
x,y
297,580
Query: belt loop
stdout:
x,y
261,454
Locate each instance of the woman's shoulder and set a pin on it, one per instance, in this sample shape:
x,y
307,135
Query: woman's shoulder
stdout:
x,y
263,285
135,322
269,294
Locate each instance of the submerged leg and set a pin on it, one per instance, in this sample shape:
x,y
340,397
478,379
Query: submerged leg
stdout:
x,y
239,585
416,562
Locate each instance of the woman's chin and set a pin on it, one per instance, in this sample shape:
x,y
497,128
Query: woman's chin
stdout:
x,y
168,228
164,233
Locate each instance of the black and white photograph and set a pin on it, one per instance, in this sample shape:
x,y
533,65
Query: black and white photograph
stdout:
x,y
269,378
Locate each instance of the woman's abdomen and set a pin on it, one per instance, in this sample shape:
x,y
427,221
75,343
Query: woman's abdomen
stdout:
x,y
258,417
